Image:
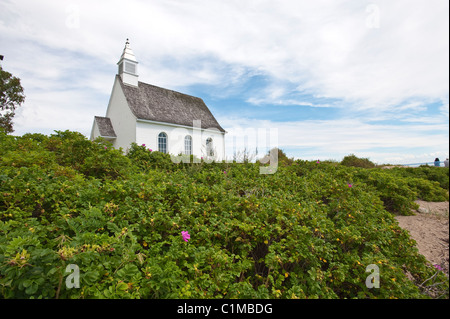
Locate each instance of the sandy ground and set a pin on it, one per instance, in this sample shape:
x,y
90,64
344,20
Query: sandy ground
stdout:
x,y
430,229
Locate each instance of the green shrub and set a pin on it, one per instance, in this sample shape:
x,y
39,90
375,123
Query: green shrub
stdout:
x,y
354,161
106,162
70,148
146,158
431,173
308,231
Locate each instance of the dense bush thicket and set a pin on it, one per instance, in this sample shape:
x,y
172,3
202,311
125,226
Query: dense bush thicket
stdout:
x,y
307,231
354,161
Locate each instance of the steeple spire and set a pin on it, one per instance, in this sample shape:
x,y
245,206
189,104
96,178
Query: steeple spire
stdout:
x,y
128,52
128,66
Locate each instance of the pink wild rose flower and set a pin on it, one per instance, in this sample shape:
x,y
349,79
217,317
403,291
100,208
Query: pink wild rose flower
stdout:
x,y
186,236
438,267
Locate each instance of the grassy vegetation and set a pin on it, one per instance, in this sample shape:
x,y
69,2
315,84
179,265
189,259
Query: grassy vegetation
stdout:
x,y
308,231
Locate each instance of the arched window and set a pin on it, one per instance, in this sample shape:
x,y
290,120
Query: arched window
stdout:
x,y
188,145
209,147
162,142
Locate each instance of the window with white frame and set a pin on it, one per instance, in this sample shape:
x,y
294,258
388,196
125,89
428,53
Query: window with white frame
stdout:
x,y
162,142
209,147
188,145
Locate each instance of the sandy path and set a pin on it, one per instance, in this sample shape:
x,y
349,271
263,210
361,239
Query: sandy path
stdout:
x,y
430,229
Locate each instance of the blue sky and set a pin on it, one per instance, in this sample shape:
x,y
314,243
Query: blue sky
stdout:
x,y
332,77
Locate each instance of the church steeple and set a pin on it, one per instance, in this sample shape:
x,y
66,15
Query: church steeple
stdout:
x,y
128,66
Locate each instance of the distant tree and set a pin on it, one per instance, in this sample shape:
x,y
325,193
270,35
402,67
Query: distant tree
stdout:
x,y
11,97
282,157
353,160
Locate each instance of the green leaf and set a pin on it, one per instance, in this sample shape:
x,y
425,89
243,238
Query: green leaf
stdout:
x,y
27,283
32,289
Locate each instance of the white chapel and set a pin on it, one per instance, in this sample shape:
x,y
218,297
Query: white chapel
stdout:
x,y
162,119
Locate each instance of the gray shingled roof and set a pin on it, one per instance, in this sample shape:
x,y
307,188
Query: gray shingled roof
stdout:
x,y
148,102
105,127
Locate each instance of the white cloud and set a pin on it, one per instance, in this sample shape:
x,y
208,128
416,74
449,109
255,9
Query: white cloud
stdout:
x,y
334,139
73,111
326,46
